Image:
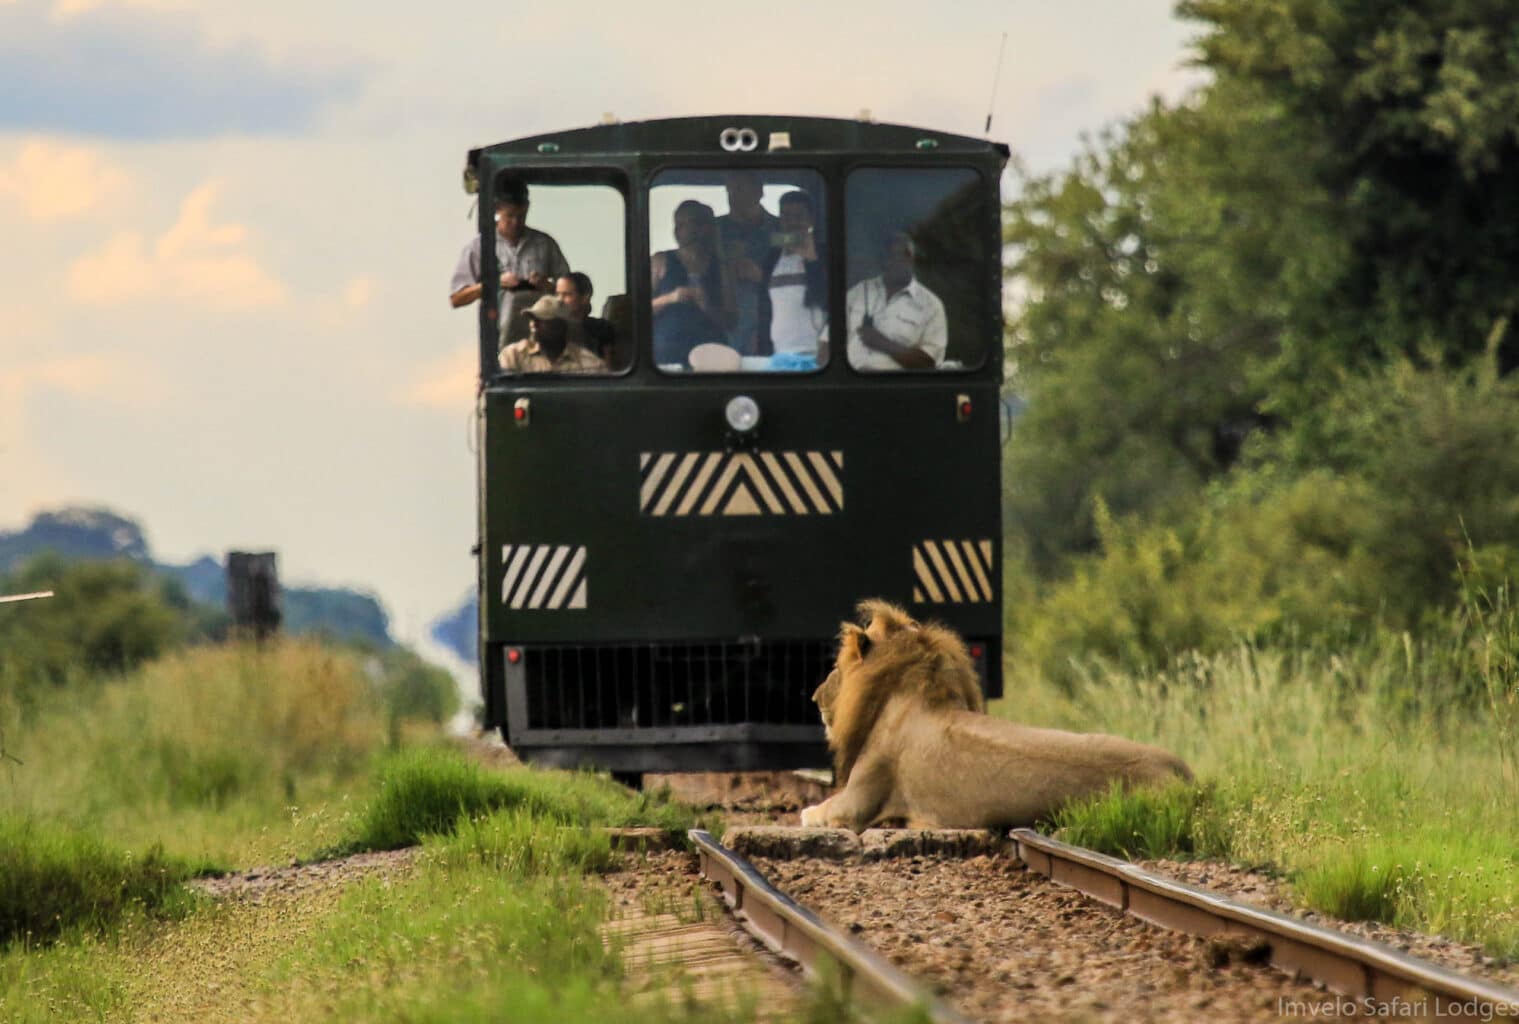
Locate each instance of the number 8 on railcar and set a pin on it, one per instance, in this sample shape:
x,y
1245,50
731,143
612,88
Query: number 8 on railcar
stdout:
x,y
767,387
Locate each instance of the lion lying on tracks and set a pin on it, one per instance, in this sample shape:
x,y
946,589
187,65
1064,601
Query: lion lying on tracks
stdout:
x,y
904,715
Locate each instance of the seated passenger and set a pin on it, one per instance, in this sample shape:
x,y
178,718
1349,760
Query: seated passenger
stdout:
x,y
895,322
798,287
547,348
589,332
691,304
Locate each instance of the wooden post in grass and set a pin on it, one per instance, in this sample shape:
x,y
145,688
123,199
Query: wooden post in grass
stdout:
x,y
253,594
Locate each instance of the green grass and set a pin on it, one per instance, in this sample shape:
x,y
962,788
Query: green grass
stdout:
x,y
55,881
1178,820
428,790
237,754
1365,775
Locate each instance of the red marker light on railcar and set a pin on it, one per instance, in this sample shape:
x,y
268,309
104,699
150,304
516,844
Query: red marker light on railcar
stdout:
x,y
977,650
963,407
513,655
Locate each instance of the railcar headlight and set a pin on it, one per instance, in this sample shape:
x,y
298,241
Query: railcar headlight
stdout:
x,y
742,414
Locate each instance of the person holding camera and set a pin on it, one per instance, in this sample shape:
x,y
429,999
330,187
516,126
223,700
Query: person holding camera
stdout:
x,y
529,260
895,323
797,278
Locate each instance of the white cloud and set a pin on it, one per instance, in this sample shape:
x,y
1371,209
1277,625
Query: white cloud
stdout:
x,y
56,181
196,259
66,7
358,292
446,384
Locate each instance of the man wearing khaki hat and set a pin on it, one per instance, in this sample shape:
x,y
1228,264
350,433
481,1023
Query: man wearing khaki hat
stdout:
x,y
547,348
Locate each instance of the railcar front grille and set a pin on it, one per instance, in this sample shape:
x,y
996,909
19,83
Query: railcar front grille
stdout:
x,y
658,686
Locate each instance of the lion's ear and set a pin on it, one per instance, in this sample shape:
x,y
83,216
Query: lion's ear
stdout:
x,y
854,642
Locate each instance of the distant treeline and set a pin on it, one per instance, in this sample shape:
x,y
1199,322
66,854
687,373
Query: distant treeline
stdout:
x,y
71,534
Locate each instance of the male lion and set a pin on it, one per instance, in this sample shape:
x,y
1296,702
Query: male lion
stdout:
x,y
903,713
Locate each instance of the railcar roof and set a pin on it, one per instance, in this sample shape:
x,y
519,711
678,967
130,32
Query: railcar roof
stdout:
x,y
688,135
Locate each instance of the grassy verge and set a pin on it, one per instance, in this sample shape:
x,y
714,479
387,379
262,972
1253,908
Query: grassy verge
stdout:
x,y
1360,774
238,755
54,881
428,791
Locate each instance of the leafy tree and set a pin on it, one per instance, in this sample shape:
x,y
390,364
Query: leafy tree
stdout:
x,y
1410,106
1157,277
106,616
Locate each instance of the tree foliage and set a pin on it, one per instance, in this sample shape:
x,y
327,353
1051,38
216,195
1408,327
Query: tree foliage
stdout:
x,y
1263,336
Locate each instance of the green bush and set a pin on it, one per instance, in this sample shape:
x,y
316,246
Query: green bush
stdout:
x,y
105,618
1259,558
410,688
53,880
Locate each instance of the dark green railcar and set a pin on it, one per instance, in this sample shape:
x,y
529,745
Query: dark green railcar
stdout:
x,y
668,541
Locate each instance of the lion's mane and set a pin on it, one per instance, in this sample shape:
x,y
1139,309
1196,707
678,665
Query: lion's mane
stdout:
x,y
906,657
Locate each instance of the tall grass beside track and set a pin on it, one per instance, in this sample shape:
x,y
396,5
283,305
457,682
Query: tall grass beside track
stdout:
x,y
1378,777
233,754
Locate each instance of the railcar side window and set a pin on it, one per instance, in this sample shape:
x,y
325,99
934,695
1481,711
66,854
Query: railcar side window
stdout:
x,y
916,267
562,298
739,270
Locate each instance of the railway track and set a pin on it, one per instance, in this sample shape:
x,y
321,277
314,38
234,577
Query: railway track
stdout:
x,y
974,926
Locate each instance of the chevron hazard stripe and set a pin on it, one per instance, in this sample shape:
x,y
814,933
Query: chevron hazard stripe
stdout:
x,y
741,483
952,572
543,576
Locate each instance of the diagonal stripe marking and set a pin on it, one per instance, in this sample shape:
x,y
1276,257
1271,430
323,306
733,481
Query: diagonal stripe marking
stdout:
x,y
752,472
975,563
651,482
719,488
578,601
826,476
681,472
509,578
549,576
783,482
699,485
925,577
813,494
944,574
571,572
965,581
540,552
986,554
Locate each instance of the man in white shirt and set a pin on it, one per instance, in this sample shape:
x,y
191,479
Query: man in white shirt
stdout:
x,y
895,323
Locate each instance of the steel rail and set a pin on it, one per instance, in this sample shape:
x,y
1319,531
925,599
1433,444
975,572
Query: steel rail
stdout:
x,y
1354,967
791,930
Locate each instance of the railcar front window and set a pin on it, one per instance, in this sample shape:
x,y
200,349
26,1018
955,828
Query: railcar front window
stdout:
x,y
562,296
916,269
739,271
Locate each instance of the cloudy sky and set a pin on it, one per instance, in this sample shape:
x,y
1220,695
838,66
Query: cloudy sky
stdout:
x,y
230,227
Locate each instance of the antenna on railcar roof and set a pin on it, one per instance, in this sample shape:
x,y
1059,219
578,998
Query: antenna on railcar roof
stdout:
x,y
991,104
